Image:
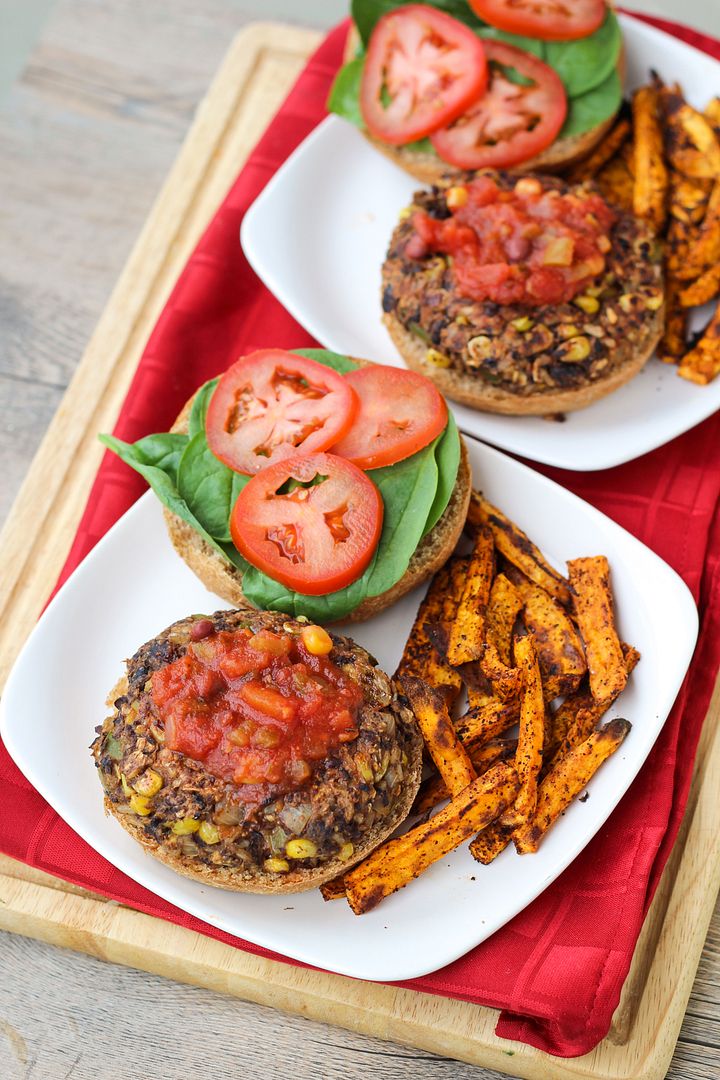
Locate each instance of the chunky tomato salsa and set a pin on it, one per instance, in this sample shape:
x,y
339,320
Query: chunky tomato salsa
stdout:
x,y
256,709
526,245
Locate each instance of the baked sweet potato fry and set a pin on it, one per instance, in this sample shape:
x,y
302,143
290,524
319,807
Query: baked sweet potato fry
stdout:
x,y
488,844
691,144
673,343
566,780
712,114
590,582
702,364
479,725
438,672
517,548
564,726
502,611
651,175
702,291
558,645
437,729
467,632
334,889
418,648
606,149
505,681
703,249
616,184
433,790
531,734
399,861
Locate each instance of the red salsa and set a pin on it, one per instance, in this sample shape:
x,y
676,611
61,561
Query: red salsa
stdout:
x,y
526,245
257,709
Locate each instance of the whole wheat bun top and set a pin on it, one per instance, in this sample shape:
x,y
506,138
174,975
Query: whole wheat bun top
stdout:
x,y
225,580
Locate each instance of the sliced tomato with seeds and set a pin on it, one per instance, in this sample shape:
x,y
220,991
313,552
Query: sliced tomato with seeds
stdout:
x,y
311,522
273,404
423,69
520,114
400,412
548,20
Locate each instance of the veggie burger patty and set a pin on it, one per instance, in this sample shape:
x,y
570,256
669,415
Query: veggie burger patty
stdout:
x,y
289,830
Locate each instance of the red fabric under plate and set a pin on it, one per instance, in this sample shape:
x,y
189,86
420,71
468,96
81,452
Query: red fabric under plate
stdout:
x,y
557,969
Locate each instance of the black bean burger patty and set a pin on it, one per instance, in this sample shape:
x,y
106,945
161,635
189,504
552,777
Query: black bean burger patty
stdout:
x,y
352,801
526,350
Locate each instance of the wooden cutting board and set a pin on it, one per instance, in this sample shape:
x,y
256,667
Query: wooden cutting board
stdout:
x,y
258,71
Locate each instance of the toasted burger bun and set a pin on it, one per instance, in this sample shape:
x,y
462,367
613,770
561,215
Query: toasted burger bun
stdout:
x,y
337,807
223,579
429,168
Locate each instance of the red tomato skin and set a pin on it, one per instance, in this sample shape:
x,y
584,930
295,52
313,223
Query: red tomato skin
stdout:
x,y
360,515
586,18
550,95
387,395
275,372
403,21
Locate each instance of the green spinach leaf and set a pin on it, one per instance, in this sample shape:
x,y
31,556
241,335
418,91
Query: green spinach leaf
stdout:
x,y
586,63
208,487
592,108
333,360
366,13
344,96
199,409
447,459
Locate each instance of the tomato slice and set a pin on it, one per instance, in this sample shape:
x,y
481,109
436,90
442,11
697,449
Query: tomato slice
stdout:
x,y
273,404
423,69
549,20
511,122
400,412
317,537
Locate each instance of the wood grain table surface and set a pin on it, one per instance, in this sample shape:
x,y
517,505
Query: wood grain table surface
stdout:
x,y
87,135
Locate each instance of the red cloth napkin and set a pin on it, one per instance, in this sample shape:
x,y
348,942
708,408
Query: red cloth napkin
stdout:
x,y
557,969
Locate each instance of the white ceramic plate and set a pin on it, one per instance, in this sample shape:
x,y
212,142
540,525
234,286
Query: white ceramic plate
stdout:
x,y
318,233
133,585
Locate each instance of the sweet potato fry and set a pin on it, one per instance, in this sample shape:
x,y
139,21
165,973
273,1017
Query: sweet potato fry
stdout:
x,y
606,149
418,648
691,144
502,610
703,249
334,889
558,645
616,183
712,114
468,630
531,734
688,198
433,790
479,725
517,548
488,844
505,681
564,720
566,780
673,343
703,290
398,861
438,672
702,364
437,729
590,582
651,175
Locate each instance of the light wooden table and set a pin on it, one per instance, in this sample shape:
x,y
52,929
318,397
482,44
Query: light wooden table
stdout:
x,y
86,137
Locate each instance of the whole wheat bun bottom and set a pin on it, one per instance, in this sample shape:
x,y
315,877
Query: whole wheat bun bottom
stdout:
x,y
223,579
294,881
470,389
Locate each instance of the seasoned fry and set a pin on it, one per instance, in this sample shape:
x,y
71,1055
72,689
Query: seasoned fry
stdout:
x,y
418,648
502,610
438,672
488,844
334,889
565,717
531,734
712,114
606,149
673,343
506,681
703,290
398,861
616,184
517,548
688,198
478,726
468,630
690,141
704,249
590,582
702,364
437,729
433,790
566,779
651,175
559,648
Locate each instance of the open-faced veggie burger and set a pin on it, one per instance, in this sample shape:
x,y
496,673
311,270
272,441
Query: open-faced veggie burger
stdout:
x,y
522,84
310,483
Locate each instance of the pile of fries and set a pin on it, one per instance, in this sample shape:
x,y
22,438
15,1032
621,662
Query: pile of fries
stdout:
x,y
532,649
662,163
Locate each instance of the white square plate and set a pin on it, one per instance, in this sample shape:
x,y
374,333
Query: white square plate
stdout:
x,y
317,237
133,584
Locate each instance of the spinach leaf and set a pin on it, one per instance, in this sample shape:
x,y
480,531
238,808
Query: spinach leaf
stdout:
x,y
208,487
199,409
447,459
592,108
584,64
333,360
154,451
344,96
527,44
366,13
